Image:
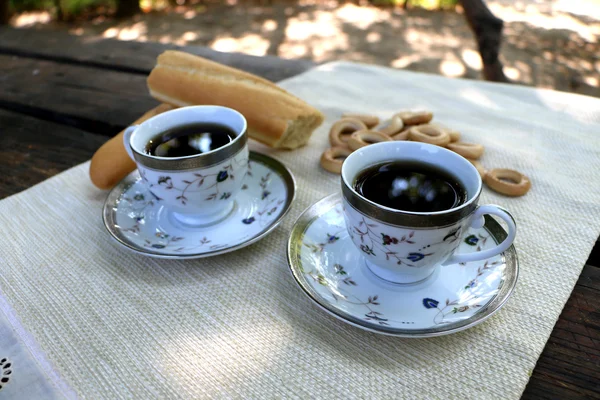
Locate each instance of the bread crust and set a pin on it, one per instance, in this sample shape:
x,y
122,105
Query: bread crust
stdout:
x,y
275,117
110,162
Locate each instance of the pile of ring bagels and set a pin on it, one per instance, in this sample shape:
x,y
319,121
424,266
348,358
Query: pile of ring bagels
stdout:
x,y
354,131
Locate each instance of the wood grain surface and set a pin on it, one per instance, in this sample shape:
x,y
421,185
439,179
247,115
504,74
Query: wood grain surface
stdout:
x,y
99,101
133,57
32,150
61,97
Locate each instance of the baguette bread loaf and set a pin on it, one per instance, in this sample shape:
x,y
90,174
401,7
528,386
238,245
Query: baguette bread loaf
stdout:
x,y
275,117
110,162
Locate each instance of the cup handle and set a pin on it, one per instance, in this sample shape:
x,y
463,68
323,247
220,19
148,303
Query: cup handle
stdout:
x,y
126,139
478,222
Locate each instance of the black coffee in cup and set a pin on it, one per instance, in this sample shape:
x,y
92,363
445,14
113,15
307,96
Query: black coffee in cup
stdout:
x,y
411,186
189,140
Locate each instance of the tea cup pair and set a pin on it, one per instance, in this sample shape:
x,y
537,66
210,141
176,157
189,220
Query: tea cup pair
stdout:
x,y
397,245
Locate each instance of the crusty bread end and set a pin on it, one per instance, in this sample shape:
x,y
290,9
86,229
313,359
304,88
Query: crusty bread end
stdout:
x,y
275,117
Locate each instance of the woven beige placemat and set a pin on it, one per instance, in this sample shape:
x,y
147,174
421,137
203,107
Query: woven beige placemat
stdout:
x,y
116,324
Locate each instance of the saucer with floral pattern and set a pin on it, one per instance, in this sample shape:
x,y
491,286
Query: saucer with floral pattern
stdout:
x,y
332,272
135,217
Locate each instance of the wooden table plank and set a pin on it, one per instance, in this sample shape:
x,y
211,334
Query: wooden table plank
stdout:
x,y
569,366
133,57
33,150
99,101
97,85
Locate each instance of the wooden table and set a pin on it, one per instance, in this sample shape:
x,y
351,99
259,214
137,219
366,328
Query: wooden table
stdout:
x,y
62,96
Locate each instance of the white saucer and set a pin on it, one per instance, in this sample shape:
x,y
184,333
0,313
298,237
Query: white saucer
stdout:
x,y
333,273
138,221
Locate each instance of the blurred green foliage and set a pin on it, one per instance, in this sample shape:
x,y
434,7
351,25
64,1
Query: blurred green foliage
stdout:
x,y
26,5
447,3
69,7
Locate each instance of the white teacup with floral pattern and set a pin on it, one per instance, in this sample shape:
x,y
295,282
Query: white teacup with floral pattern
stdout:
x,y
200,189
406,247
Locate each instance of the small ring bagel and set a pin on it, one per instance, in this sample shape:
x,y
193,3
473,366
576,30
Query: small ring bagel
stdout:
x,y
429,134
454,135
402,135
369,120
467,150
497,179
479,166
365,137
391,126
330,159
415,117
339,132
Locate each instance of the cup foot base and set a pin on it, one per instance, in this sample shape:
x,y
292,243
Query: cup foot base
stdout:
x,y
200,221
397,277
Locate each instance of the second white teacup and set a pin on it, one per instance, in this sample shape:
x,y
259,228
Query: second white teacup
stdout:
x,y
404,246
199,189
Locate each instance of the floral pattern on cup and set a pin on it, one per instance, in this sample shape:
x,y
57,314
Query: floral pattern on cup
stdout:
x,y
476,240
212,185
404,247
438,231
201,189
